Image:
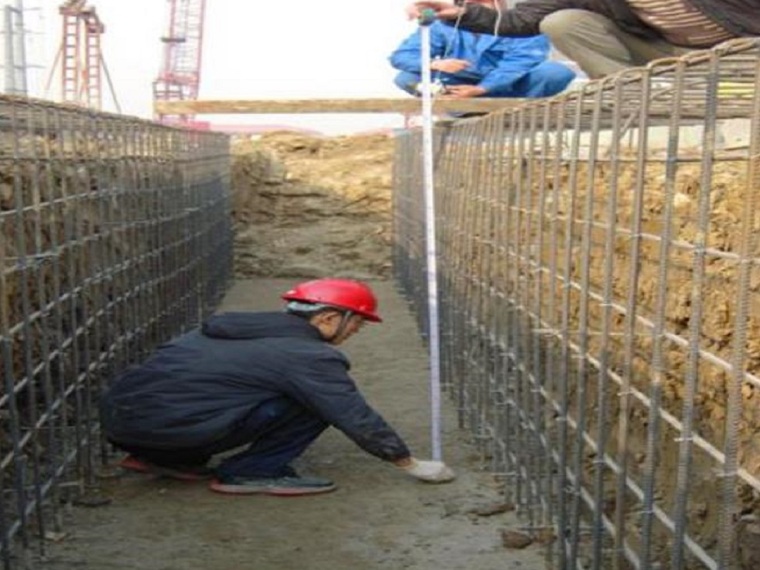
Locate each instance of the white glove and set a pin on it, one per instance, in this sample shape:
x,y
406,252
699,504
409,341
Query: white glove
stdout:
x,y
429,471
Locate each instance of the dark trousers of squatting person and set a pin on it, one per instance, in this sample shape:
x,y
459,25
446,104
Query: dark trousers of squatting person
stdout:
x,y
277,432
546,79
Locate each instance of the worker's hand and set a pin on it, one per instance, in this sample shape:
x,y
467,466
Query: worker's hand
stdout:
x,y
428,471
443,10
464,91
449,65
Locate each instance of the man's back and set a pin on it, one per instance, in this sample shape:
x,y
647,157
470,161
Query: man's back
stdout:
x,y
200,384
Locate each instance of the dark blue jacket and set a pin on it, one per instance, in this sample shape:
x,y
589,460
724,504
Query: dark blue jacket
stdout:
x,y
196,388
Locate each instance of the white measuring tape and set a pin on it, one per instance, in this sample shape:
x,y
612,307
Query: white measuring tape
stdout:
x,y
434,341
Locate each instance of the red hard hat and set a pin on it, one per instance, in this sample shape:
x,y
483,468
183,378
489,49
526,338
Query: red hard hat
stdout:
x,y
340,293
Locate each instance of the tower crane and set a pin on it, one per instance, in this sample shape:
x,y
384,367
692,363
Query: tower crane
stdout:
x,y
80,55
180,72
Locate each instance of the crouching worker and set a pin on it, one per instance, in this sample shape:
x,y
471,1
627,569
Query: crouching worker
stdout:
x,y
271,381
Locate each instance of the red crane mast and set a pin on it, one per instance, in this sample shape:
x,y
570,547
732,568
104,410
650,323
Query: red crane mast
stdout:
x,y
180,73
80,53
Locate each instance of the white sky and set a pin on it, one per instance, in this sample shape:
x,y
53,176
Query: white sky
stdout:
x,y
256,49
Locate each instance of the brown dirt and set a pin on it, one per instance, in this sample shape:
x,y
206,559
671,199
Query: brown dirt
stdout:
x,y
377,519
312,207
716,333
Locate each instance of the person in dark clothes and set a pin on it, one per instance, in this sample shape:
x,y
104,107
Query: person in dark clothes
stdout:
x,y
271,381
607,36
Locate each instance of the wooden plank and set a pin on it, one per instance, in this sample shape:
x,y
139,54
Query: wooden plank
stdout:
x,y
295,106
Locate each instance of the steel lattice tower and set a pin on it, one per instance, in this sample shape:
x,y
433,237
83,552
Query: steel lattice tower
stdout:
x,y
180,73
14,61
81,55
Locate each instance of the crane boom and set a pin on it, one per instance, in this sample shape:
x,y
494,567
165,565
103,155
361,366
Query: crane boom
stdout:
x,y
180,72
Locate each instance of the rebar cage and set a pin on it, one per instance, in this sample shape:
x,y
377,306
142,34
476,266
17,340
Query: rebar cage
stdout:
x,y
115,235
600,307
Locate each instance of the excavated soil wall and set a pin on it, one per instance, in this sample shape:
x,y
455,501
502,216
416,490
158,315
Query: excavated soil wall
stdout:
x,y
312,207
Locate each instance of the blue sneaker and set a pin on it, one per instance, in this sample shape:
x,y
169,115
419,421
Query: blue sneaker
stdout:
x,y
286,486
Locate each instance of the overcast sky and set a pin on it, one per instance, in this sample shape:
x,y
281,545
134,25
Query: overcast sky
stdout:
x,y
254,49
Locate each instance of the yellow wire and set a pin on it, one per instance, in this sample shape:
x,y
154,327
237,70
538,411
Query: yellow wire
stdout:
x,y
734,89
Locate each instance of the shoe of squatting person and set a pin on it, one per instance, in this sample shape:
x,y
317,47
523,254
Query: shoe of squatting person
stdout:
x,y
179,472
289,484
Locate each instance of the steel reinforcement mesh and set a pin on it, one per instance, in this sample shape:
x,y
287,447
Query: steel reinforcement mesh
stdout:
x,y
599,278
115,235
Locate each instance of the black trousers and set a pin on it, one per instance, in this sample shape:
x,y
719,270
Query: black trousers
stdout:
x,y
276,433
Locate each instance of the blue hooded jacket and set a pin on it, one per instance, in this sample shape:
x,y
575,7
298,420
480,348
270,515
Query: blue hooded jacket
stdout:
x,y
497,62
198,387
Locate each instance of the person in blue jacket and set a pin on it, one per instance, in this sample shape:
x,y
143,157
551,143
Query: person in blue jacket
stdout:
x,y
270,381
468,64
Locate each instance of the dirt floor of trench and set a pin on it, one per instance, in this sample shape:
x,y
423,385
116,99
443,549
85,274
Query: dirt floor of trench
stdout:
x,y
377,519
